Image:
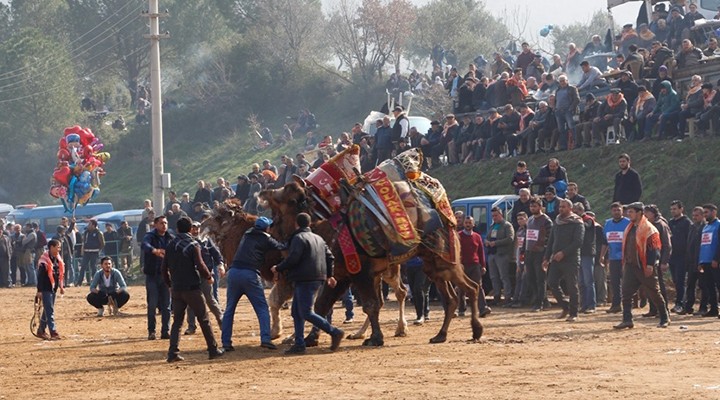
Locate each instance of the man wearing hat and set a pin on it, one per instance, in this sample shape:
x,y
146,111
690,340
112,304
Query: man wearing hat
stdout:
x,y
610,113
640,253
587,116
243,278
401,127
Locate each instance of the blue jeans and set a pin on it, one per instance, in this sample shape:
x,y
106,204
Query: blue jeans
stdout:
x,y
246,282
48,317
89,266
615,279
158,297
302,311
348,301
565,122
587,282
70,270
31,274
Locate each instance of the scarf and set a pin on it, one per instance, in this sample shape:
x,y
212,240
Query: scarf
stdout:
x,y
45,259
646,236
614,103
520,84
648,35
642,98
693,90
629,34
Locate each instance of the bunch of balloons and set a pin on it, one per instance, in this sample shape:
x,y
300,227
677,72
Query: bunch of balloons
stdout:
x,y
80,160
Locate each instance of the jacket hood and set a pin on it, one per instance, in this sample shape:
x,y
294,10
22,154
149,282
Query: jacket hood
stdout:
x,y
570,219
667,85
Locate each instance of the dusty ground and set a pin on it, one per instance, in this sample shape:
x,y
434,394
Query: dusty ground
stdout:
x,y
521,356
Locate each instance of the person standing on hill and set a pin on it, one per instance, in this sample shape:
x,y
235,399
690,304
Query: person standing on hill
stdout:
x,y
628,186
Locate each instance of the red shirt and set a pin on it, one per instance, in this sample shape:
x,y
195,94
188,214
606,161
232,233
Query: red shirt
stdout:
x,y
471,249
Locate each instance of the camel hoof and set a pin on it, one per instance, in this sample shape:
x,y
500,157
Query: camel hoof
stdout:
x,y
373,342
355,337
477,333
440,338
274,336
289,340
400,334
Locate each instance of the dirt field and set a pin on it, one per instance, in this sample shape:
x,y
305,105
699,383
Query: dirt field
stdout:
x,y
521,356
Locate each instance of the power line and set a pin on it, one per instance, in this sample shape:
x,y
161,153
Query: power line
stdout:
x,y
58,64
18,72
60,86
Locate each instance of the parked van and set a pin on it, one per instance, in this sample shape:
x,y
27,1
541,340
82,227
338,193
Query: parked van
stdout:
x,y
133,218
5,209
479,208
48,217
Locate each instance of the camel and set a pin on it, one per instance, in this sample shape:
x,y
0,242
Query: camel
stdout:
x,y
228,224
296,197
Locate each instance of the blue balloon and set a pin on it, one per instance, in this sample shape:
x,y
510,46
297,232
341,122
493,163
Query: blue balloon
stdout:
x,y
73,138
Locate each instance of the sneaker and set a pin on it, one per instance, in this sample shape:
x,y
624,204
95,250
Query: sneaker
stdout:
x,y
216,353
485,312
336,339
175,358
101,311
563,314
228,348
42,335
151,336
54,335
349,321
664,324
685,312
677,309
713,313
295,350
268,345
649,315
419,321
571,318
165,335
189,331
624,325
536,309
699,313
589,311
614,310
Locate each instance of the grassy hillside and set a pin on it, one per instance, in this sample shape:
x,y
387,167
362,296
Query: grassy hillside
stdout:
x,y
685,170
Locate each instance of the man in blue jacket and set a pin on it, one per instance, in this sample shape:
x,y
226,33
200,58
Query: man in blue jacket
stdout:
x,y
309,263
710,257
158,293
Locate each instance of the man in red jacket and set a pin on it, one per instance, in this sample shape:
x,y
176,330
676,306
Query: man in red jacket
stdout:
x,y
473,260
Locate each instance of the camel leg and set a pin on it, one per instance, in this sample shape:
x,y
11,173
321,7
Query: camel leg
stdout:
x,y
360,333
368,290
279,294
393,278
448,293
471,289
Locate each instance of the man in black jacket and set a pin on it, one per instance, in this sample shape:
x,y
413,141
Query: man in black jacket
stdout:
x,y
309,263
628,187
680,229
243,278
182,270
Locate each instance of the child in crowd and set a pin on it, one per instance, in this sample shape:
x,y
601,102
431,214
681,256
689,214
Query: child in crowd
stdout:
x,y
50,273
521,178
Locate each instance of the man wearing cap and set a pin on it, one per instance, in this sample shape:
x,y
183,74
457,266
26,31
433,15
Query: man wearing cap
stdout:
x,y
591,77
641,252
610,113
450,133
562,258
587,116
635,124
243,278
401,127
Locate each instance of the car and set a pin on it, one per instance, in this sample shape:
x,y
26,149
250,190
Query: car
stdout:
x,y
479,208
133,218
48,217
5,209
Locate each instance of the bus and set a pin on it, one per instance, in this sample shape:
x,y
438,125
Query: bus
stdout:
x,y
48,217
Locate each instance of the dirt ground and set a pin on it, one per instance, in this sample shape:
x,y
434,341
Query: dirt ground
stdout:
x,y
522,355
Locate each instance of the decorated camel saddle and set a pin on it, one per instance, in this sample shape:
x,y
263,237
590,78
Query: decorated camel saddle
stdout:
x,y
388,211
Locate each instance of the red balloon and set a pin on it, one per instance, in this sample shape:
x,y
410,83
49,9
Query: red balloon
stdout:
x,y
62,143
72,129
63,154
86,136
62,175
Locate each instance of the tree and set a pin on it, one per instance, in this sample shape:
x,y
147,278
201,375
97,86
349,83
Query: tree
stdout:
x,y
368,37
34,110
462,25
580,33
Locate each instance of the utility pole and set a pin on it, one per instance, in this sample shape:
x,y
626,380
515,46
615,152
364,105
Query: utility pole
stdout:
x,y
159,180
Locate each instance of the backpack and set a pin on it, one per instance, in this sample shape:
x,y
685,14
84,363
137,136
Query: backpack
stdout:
x,y
41,240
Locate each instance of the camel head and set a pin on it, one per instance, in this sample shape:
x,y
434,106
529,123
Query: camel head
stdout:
x,y
286,203
226,227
